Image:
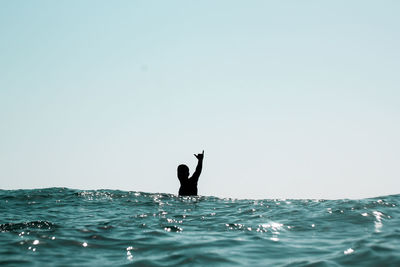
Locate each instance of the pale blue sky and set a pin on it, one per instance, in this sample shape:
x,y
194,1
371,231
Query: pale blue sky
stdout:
x,y
296,99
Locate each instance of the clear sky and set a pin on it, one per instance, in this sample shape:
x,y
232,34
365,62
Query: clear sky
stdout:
x,y
289,99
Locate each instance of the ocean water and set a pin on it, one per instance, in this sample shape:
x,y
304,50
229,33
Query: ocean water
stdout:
x,y
61,226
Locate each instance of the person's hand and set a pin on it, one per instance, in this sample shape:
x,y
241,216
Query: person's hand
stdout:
x,y
200,156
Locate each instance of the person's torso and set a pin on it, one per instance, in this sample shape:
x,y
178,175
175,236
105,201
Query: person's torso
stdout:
x,y
188,188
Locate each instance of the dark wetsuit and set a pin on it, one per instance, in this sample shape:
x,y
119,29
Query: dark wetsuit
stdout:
x,y
188,187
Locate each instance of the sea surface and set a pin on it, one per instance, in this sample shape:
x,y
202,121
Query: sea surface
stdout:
x,y
66,227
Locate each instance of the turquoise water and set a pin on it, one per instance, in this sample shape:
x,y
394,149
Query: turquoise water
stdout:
x,y
60,226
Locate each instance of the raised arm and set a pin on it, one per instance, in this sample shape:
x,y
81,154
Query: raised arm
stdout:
x,y
197,172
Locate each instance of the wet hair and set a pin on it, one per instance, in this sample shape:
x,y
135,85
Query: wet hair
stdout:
x,y
183,171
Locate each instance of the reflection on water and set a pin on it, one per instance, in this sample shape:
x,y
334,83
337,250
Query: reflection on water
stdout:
x,y
378,221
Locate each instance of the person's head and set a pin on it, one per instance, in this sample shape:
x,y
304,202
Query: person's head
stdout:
x,y
183,172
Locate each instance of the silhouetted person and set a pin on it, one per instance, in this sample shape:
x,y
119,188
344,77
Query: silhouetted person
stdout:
x,y
189,185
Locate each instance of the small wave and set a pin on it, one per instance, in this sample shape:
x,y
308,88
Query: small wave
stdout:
x,y
8,227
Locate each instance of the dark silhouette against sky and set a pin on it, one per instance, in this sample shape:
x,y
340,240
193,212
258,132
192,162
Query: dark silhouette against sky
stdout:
x,y
189,185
